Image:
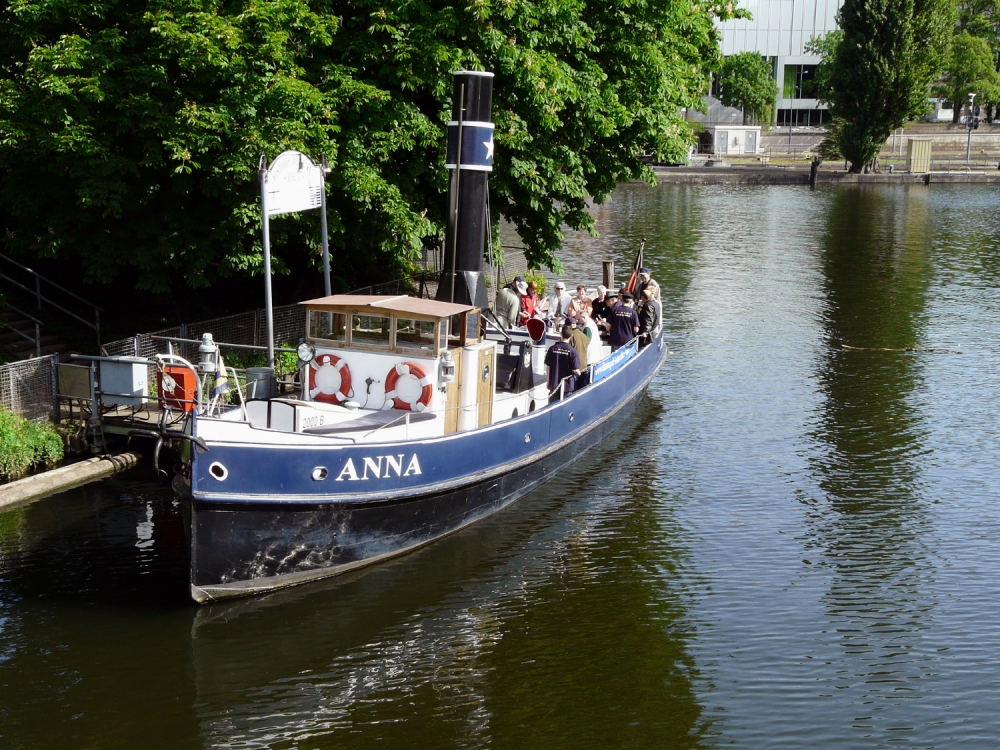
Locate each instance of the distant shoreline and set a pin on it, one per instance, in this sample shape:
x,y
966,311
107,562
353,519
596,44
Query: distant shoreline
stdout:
x,y
800,176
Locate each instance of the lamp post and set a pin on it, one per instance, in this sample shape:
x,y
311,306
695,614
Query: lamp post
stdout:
x,y
969,125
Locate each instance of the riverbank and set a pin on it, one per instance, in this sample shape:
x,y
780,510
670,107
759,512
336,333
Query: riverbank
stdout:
x,y
760,175
39,486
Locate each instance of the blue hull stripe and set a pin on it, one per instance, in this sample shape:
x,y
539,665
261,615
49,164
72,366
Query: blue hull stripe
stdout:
x,y
282,474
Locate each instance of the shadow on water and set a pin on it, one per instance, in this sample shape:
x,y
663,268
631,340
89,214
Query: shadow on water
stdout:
x,y
91,594
550,625
870,526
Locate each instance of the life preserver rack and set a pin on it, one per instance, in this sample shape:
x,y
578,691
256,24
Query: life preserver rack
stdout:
x,y
410,370
329,379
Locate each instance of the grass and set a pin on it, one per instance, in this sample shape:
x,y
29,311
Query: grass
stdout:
x,y
25,445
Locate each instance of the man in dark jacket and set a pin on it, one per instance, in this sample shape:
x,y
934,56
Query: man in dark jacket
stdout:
x,y
645,282
649,317
561,361
600,309
624,323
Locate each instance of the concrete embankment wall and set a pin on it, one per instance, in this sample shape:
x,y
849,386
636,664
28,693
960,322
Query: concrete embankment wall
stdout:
x,y
779,176
945,138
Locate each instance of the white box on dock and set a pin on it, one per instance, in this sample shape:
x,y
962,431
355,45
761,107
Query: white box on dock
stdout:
x,y
124,381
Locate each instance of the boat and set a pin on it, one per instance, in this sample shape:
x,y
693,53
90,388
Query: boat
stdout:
x,y
414,417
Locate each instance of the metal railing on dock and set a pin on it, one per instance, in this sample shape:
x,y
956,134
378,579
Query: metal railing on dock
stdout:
x,y
36,290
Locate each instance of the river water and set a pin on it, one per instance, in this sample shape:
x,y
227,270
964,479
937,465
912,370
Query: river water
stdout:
x,y
794,545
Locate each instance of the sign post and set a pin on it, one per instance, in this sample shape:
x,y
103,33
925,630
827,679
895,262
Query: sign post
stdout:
x,y
292,183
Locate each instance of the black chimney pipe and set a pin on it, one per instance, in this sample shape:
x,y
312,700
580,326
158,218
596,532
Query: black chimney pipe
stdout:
x,y
462,278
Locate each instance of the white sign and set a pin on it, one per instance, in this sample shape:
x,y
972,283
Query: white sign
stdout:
x,y
293,183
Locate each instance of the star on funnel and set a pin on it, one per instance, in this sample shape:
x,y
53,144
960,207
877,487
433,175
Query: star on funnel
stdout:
x,y
489,148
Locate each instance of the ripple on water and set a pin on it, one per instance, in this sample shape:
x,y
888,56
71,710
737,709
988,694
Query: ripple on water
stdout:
x,y
792,545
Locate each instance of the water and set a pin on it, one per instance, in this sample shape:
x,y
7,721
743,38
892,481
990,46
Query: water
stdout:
x,y
795,545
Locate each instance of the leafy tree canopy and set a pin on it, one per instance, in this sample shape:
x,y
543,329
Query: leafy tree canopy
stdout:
x,y
130,131
745,81
890,53
970,71
981,18
826,48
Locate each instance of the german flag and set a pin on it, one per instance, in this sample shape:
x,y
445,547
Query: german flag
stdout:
x,y
634,278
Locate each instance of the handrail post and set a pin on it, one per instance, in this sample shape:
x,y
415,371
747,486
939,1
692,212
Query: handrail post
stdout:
x,y
38,341
38,291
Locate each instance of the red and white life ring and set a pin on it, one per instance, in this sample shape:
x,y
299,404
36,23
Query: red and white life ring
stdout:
x,y
329,379
408,387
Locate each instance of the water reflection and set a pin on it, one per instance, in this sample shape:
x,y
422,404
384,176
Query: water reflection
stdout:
x,y
552,625
90,653
793,545
871,524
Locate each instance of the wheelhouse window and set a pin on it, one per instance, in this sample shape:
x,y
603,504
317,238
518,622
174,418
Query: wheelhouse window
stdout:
x,y
418,335
456,330
328,326
370,330
443,335
471,327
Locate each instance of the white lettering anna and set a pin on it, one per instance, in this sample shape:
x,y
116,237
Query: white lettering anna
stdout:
x,y
379,467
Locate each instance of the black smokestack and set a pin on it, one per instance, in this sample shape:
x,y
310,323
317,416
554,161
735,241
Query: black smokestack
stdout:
x,y
472,124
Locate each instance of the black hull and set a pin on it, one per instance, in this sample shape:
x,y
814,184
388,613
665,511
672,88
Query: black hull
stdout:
x,y
244,550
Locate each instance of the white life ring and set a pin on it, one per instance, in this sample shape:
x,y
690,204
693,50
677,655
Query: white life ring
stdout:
x,y
329,379
408,377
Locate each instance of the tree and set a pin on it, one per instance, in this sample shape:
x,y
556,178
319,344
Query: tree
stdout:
x,y
130,131
890,54
970,70
981,18
745,81
825,47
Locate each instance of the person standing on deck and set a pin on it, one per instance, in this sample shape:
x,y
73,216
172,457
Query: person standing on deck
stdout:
x,y
624,323
650,313
646,282
580,342
529,302
561,361
509,306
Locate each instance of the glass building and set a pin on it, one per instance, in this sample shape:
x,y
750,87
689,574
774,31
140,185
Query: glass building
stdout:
x,y
780,30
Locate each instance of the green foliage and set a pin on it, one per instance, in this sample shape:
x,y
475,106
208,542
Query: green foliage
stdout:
x,y
130,132
829,148
981,18
542,283
745,81
826,48
890,53
970,70
241,359
25,444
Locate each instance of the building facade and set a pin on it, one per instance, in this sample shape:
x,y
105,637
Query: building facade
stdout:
x,y
780,30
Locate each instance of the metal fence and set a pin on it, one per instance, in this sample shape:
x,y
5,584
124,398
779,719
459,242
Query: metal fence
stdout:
x,y
28,387
248,328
